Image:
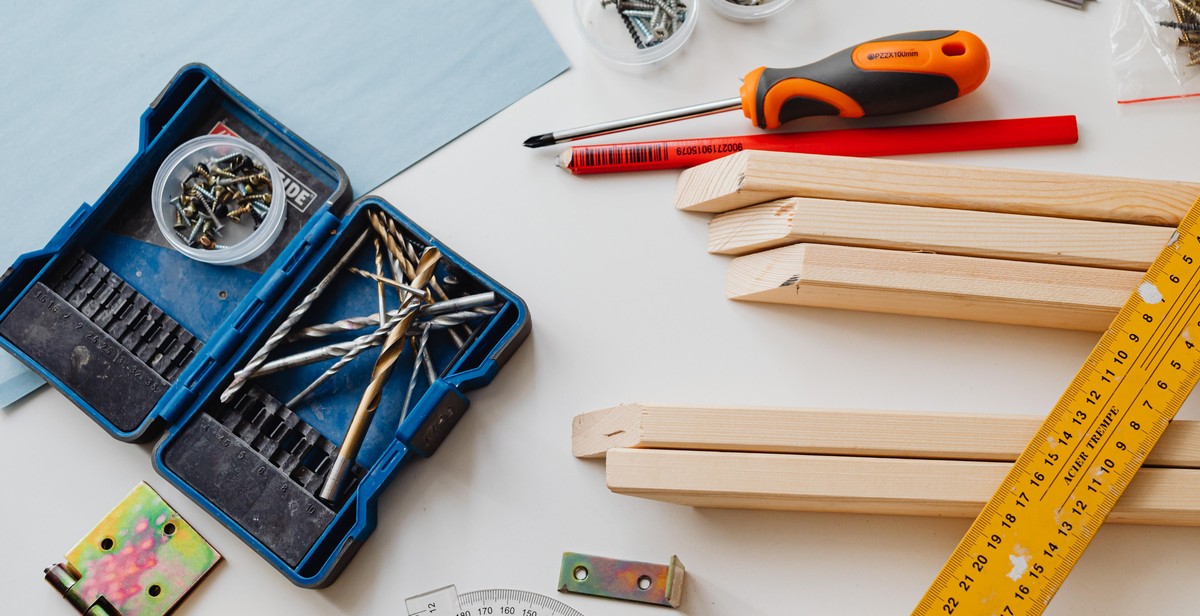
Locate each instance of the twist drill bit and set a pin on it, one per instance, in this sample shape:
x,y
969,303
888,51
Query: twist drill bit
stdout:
x,y
454,319
353,348
382,281
367,342
420,352
433,284
379,282
398,273
412,256
351,324
356,346
397,262
430,373
390,242
241,377
332,351
379,376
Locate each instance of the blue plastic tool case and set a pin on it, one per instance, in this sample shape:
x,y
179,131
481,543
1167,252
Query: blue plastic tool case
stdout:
x,y
144,340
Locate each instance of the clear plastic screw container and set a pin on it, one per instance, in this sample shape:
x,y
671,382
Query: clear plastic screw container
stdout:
x,y
631,43
238,241
748,12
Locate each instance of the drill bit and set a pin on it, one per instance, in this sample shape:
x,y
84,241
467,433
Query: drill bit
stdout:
x,y
429,371
379,376
332,351
365,342
390,242
458,304
353,348
241,377
381,281
420,352
454,319
398,263
433,284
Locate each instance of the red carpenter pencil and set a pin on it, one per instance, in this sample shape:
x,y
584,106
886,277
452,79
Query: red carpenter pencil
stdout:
x,y
890,141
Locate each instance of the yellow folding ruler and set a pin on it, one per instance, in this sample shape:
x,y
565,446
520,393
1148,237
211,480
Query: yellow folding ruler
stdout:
x,y
1020,549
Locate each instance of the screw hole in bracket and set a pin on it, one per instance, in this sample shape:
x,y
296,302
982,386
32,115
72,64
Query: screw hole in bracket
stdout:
x,y
643,583
580,573
154,590
168,529
106,544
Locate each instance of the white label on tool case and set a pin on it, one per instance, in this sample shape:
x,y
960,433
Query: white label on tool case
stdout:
x,y
298,195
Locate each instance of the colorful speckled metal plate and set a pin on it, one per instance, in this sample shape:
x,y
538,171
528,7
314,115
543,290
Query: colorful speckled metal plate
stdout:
x,y
140,560
622,579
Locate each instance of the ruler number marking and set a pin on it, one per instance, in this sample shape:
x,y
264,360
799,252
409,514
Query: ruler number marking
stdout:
x,y
1182,314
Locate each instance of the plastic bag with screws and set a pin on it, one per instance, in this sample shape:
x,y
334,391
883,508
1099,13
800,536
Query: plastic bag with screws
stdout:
x,y
1156,50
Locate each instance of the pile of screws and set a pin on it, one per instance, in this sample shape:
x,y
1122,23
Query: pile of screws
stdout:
x,y
1187,21
650,22
218,192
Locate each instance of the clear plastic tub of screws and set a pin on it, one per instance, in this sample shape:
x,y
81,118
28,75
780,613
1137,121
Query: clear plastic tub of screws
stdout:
x,y
219,199
748,10
637,34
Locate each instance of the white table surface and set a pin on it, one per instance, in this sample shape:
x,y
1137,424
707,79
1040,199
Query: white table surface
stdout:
x,y
627,306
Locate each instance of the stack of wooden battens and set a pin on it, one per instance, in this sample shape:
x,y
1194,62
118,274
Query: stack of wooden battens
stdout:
x,y
871,462
997,245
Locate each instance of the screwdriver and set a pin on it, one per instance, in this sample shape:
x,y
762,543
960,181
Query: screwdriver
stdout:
x,y
893,74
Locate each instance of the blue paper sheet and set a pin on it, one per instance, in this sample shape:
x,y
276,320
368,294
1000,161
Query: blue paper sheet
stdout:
x,y
376,86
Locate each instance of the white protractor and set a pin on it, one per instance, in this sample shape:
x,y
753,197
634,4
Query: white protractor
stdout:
x,y
496,602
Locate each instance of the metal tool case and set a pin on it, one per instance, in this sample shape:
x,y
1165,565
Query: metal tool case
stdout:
x,y
144,340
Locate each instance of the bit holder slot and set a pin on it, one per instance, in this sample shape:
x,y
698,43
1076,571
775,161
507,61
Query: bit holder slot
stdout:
x,y
261,465
283,438
93,332
115,307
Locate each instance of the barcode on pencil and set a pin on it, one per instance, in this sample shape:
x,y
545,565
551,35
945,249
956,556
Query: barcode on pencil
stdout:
x,y
622,155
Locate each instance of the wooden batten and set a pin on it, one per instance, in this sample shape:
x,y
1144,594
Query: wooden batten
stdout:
x,y
843,484
933,285
752,177
847,432
1016,237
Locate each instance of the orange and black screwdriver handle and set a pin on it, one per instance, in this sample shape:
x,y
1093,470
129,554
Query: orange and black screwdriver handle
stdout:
x,y
894,74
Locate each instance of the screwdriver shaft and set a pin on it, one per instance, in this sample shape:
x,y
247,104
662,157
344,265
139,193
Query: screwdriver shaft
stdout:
x,y
650,119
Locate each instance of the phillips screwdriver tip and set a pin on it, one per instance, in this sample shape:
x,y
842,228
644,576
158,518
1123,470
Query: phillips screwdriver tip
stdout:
x,y
540,141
